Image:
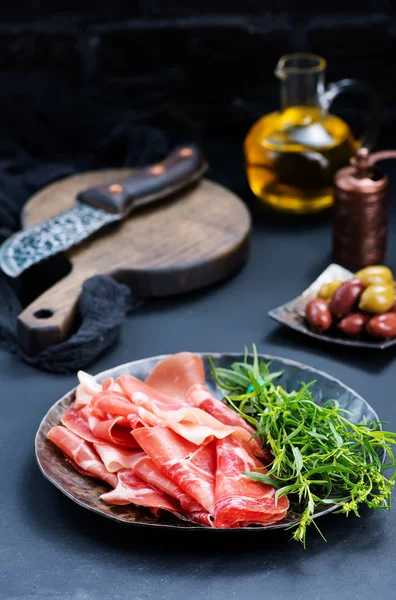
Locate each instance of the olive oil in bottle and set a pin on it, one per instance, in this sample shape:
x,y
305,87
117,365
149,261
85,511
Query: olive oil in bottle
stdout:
x,y
291,156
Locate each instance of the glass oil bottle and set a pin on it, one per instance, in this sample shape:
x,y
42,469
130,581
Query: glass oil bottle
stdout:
x,y
291,155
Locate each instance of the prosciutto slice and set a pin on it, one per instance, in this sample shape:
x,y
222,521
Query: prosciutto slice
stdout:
x,y
191,423
122,407
86,390
141,465
131,385
192,468
76,421
132,490
175,375
115,459
182,376
110,385
112,403
199,395
239,500
202,518
92,429
83,398
115,431
81,454
146,469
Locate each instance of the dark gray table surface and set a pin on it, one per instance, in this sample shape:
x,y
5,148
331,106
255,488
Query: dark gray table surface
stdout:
x,y
51,548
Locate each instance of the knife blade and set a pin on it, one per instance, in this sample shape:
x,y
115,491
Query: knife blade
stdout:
x,y
99,206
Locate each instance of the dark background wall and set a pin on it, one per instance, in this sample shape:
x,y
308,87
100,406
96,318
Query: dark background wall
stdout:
x,y
208,63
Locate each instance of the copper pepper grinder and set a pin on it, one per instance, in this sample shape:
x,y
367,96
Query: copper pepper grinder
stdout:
x,y
360,221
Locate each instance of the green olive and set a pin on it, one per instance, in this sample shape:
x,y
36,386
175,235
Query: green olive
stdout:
x,y
327,290
375,275
377,298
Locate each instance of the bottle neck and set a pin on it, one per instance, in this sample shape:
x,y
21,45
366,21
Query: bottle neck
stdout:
x,y
301,90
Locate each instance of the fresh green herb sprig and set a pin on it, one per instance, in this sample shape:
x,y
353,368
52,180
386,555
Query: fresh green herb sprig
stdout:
x,y
320,456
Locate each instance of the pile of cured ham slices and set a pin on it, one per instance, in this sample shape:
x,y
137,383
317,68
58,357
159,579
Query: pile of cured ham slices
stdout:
x,y
169,444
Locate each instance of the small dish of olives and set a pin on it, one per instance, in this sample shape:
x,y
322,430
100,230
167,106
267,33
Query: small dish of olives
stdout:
x,y
352,309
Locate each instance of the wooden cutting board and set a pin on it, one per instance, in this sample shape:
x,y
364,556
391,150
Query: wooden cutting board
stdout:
x,y
181,244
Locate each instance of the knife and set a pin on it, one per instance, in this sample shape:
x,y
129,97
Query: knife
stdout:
x,y
99,206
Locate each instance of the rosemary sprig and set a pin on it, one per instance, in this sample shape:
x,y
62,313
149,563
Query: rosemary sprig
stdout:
x,y
320,456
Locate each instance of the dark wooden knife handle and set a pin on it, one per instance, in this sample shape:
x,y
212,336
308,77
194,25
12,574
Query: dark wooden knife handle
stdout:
x,y
183,166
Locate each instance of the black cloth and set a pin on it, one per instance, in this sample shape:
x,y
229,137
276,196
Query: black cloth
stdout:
x,y
103,306
51,134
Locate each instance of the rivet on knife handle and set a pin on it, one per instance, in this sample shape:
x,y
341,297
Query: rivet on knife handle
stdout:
x,y
183,165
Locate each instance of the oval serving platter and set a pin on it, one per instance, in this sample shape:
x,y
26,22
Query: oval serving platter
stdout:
x,y
85,491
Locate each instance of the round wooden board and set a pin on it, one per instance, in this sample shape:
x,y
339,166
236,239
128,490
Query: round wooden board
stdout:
x,y
177,245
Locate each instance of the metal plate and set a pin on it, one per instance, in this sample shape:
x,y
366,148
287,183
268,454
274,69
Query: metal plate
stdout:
x,y
85,491
292,314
